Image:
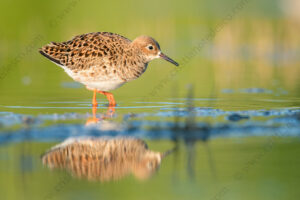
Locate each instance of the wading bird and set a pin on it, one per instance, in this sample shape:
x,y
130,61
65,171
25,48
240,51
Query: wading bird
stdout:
x,y
104,61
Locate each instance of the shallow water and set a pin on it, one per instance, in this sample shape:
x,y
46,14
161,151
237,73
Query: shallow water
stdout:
x,y
151,120
219,152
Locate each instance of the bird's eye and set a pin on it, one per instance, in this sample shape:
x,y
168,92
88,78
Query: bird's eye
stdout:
x,y
150,47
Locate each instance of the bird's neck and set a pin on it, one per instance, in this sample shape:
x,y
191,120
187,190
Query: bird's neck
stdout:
x,y
134,64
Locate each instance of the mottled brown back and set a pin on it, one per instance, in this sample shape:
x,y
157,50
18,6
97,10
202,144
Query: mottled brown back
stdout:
x,y
83,50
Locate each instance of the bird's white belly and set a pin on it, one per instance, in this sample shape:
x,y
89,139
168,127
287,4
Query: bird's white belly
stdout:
x,y
101,85
104,85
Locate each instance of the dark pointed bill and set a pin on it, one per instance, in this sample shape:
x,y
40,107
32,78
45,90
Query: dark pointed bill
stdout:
x,y
163,56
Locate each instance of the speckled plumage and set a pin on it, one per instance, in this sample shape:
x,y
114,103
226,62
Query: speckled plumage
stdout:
x,y
104,61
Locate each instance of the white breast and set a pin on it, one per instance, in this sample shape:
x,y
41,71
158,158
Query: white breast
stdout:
x,y
104,85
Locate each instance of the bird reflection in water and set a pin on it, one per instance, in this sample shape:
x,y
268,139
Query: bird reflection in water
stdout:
x,y
104,159
109,114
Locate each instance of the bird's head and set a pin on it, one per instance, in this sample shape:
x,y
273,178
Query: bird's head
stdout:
x,y
151,49
147,166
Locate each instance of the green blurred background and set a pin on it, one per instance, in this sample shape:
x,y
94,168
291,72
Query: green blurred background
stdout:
x,y
257,47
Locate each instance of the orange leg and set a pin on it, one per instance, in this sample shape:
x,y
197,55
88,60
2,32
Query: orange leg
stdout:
x,y
110,109
110,98
94,112
95,104
94,119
